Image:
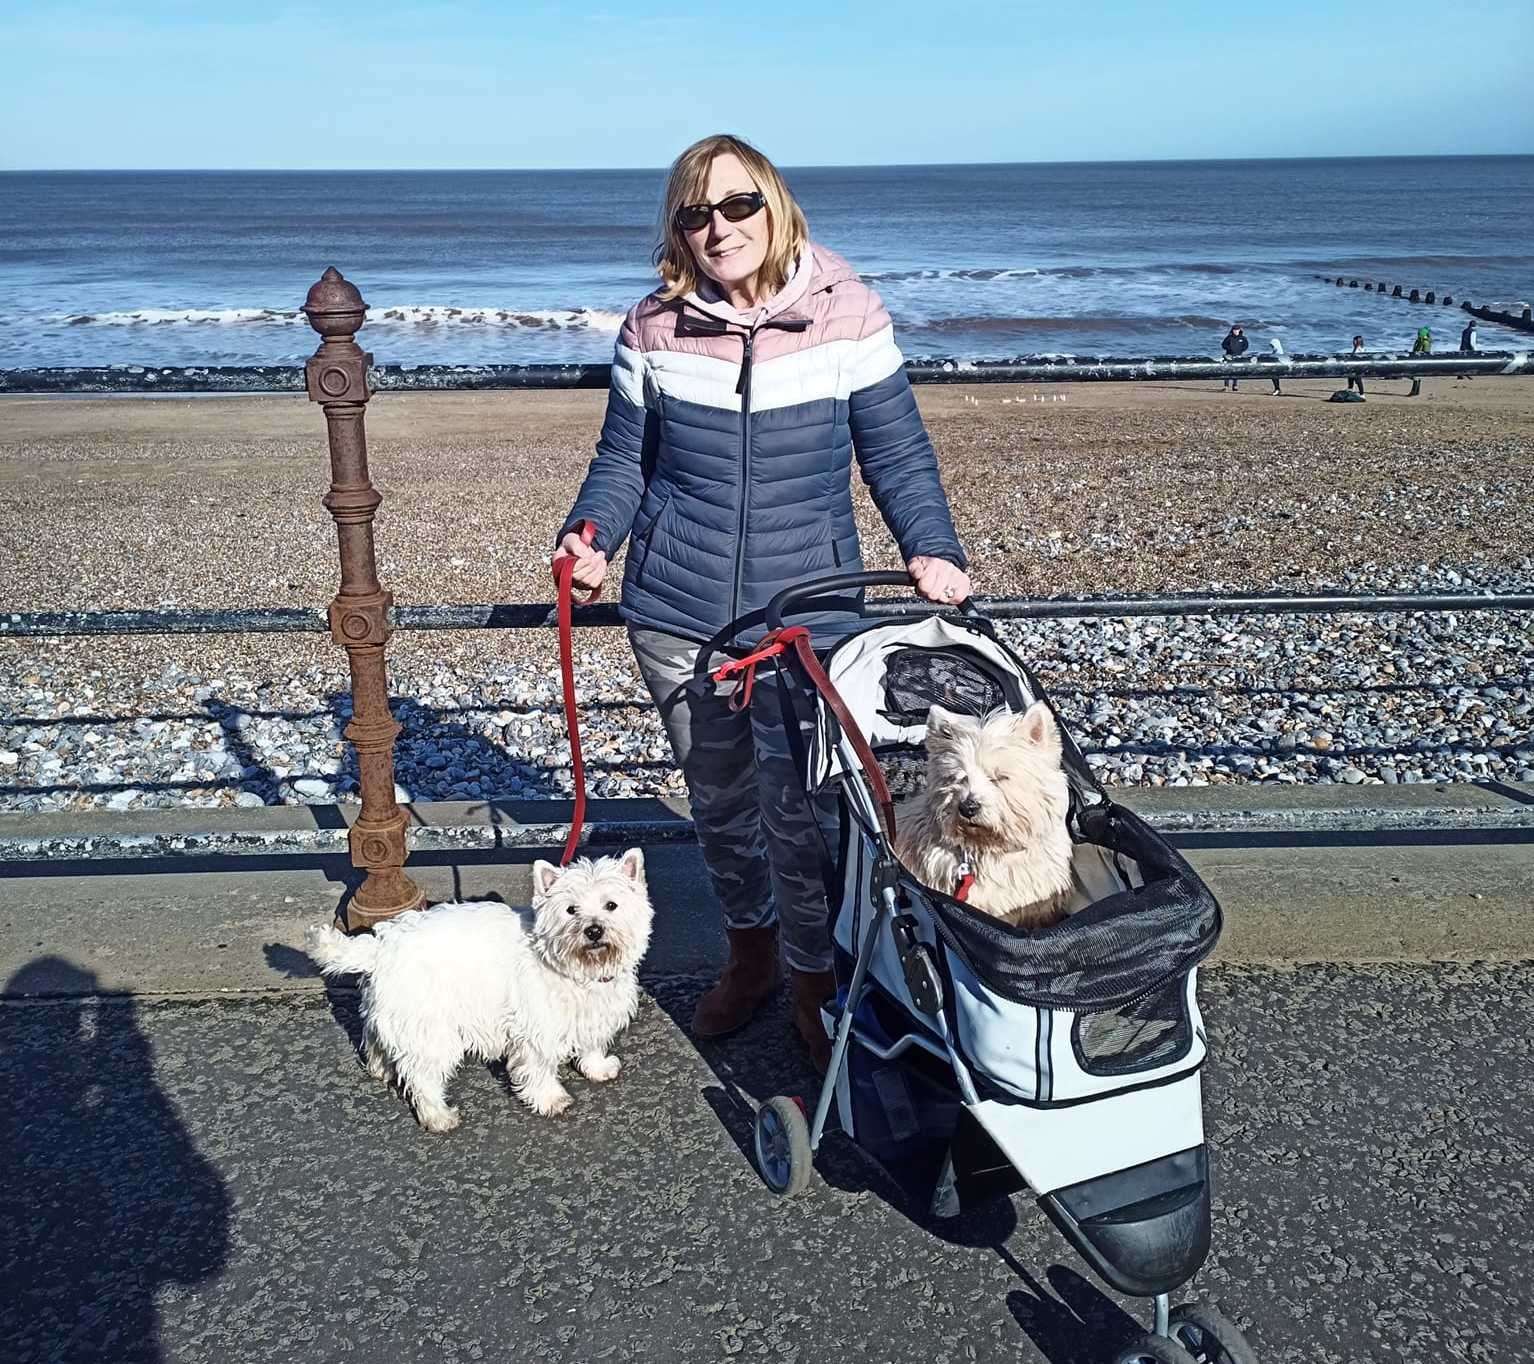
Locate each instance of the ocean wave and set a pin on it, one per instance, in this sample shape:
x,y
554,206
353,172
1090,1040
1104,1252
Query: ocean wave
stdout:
x,y
413,315
156,317
979,274
1123,324
990,274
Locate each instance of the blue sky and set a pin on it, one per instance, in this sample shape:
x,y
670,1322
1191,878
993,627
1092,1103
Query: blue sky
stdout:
x,y
168,84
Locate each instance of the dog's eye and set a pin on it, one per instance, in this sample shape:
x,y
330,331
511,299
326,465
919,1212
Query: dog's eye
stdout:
x,y
611,906
569,909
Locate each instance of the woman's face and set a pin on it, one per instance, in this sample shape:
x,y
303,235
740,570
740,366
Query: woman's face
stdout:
x,y
730,254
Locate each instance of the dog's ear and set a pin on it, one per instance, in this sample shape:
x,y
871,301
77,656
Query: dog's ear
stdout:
x,y
544,876
631,864
943,723
1037,726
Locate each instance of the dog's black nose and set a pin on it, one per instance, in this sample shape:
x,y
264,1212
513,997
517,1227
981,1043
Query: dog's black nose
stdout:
x,y
969,807
593,932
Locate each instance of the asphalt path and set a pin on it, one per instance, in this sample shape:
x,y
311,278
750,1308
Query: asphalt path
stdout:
x,y
218,1179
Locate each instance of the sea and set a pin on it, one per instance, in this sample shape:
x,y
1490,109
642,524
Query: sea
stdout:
x,y
173,268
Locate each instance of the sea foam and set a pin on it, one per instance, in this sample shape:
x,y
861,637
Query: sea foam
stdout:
x,y
418,315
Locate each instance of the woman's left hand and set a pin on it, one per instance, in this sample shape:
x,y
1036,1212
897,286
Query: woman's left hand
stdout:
x,y
939,581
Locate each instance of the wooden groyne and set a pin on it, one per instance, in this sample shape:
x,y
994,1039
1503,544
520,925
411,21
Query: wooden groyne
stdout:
x,y
1521,322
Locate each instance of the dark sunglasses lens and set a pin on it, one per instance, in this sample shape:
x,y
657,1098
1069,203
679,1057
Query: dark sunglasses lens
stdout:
x,y
739,207
692,218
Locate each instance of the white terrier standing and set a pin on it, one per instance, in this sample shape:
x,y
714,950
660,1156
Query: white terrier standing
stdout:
x,y
993,813
537,986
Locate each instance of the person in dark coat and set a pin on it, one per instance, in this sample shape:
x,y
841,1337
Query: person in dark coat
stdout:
x,y
1234,345
743,392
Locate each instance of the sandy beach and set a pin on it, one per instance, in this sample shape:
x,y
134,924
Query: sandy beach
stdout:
x,y
1075,489
1066,489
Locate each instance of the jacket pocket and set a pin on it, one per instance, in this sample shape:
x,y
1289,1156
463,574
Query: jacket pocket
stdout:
x,y
644,538
845,551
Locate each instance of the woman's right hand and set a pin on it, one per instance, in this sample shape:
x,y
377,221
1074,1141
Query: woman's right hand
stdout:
x,y
590,564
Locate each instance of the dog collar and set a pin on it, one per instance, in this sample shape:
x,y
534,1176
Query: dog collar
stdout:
x,y
966,880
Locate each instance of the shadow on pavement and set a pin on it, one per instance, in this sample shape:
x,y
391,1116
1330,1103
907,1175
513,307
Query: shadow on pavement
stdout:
x,y
104,1197
1076,1324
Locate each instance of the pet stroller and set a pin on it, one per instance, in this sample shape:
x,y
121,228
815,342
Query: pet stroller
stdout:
x,y
972,1058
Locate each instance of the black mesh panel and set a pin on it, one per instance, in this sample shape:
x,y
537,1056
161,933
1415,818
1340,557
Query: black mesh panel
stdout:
x,y
904,767
1105,955
1141,1035
915,680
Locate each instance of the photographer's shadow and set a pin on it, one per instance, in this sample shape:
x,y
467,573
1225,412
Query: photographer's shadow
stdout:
x,y
104,1197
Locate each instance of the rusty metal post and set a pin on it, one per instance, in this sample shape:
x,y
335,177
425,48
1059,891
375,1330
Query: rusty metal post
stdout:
x,y
337,379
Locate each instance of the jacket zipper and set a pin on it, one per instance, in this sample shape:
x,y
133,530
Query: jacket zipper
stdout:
x,y
706,325
743,387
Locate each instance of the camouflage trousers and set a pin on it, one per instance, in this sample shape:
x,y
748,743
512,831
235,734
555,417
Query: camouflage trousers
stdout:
x,y
755,825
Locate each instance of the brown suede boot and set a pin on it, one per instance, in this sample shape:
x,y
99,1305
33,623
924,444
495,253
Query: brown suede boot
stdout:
x,y
811,990
750,978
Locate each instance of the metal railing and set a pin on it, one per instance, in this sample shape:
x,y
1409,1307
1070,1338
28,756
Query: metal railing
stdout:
x,y
291,620
1029,369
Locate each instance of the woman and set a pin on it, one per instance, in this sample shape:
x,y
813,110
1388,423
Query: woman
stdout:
x,y
742,390
1356,380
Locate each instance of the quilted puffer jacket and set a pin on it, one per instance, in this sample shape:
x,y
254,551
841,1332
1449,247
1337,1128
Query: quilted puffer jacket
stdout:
x,y
728,444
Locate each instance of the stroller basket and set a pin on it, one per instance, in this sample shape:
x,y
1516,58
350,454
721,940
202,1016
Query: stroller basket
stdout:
x,y
1098,1003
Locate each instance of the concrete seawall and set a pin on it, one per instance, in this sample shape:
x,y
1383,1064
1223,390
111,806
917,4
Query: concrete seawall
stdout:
x,y
212,902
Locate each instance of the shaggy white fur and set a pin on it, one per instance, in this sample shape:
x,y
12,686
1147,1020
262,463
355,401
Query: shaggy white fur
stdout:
x,y
994,807
537,986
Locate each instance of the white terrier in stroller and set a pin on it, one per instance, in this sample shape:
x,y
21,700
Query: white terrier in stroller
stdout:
x,y
539,986
990,826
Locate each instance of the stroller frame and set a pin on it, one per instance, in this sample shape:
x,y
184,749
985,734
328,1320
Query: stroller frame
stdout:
x,y
787,1137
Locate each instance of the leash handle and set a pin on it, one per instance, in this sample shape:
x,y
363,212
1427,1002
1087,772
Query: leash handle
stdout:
x,y
564,582
564,569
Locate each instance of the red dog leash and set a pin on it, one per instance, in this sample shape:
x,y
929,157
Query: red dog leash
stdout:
x,y
797,637
564,582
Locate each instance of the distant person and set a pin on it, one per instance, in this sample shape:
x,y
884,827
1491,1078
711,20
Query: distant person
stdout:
x,y
1423,345
1234,345
1357,380
1467,337
1277,347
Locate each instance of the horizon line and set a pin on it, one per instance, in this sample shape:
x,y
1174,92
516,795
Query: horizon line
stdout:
x,y
787,166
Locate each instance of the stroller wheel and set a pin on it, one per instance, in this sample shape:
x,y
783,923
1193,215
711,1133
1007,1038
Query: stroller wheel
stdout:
x,y
1153,1349
1209,1335
783,1152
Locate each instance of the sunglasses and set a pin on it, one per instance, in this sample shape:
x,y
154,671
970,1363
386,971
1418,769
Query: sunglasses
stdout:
x,y
736,209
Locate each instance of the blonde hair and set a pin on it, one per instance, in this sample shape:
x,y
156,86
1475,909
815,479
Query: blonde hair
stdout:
x,y
787,232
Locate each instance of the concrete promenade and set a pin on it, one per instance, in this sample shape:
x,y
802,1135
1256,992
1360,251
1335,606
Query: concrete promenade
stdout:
x,y
197,1169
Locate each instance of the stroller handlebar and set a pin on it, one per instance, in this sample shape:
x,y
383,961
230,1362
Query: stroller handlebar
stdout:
x,y
781,604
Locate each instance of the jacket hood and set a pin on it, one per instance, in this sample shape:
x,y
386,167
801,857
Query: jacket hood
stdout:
x,y
816,270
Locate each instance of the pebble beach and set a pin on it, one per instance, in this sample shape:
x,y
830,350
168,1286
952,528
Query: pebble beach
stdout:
x,y
1074,490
